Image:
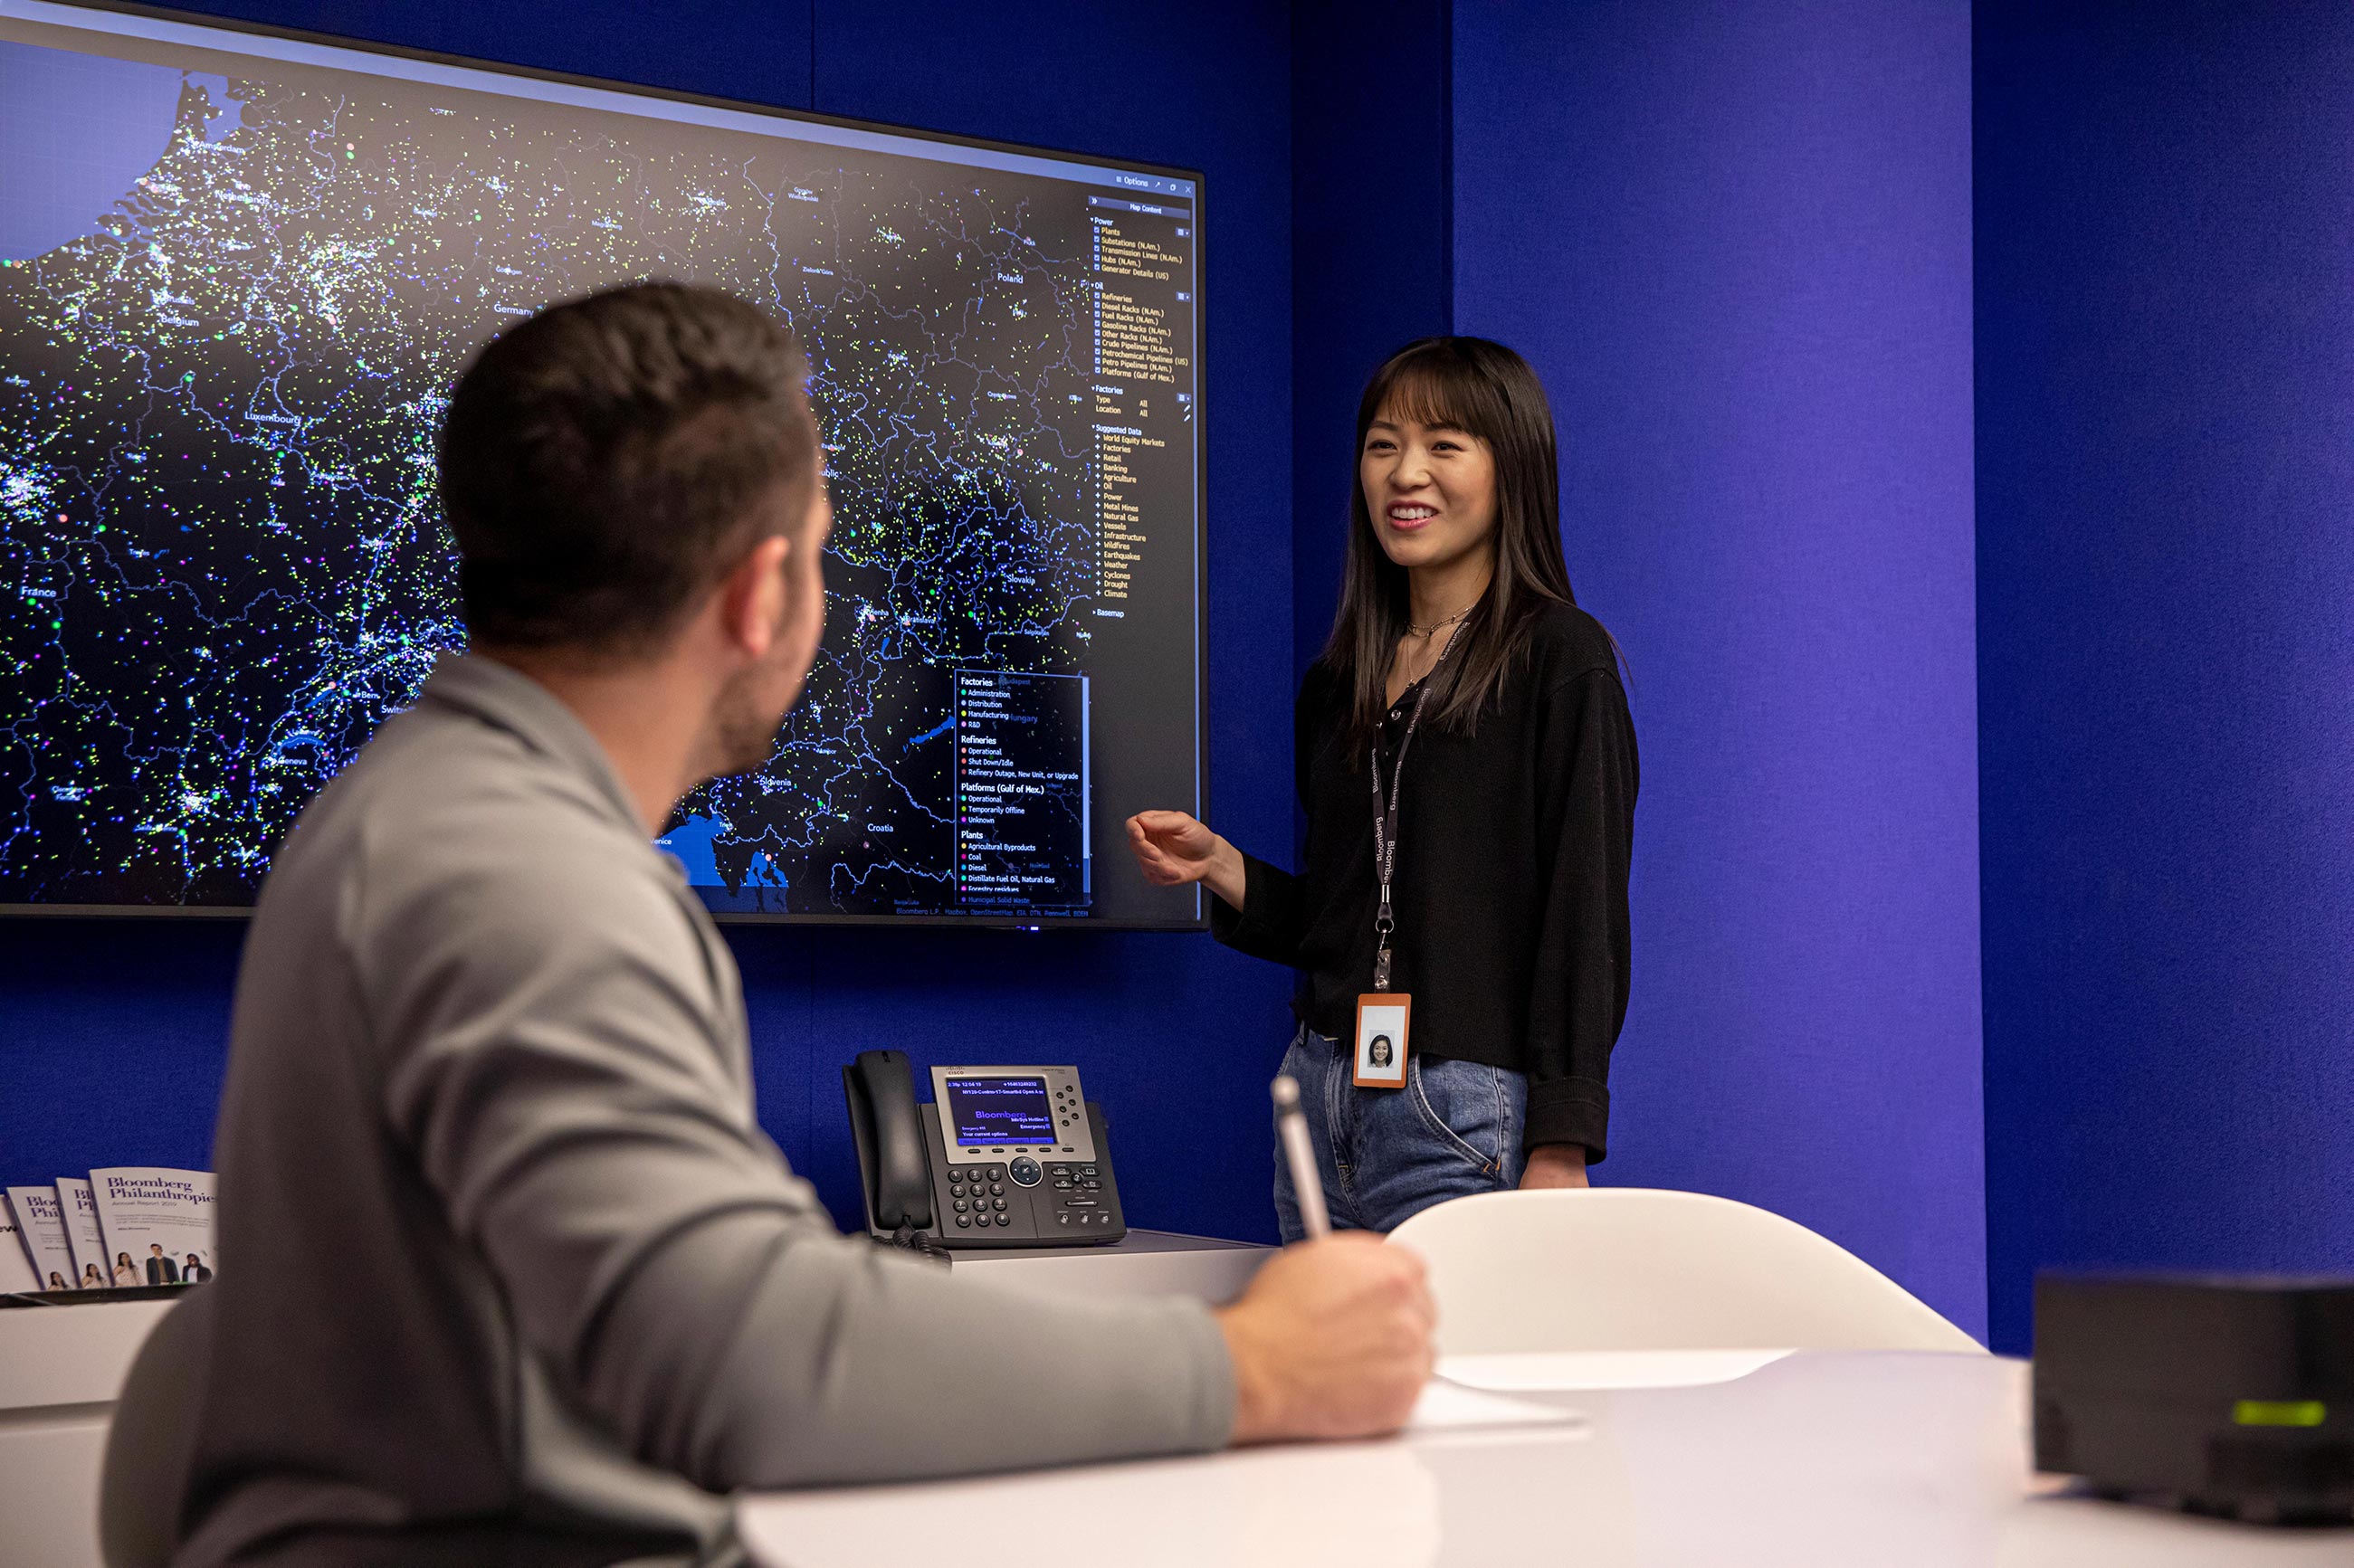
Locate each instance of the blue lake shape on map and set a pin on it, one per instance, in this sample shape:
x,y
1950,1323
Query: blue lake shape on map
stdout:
x,y
934,733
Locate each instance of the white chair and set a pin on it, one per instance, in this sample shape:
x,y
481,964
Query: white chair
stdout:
x,y
1618,1269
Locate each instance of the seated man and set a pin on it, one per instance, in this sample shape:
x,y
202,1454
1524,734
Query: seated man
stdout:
x,y
513,1275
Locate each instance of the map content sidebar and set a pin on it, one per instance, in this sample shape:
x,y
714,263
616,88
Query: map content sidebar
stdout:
x,y
1022,792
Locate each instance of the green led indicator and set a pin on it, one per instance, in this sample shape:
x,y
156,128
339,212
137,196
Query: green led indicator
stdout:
x,y
2278,1413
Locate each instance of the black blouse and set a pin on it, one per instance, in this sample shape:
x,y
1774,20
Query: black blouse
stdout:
x,y
1510,886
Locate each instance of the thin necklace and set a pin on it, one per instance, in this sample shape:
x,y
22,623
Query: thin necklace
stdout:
x,y
1426,632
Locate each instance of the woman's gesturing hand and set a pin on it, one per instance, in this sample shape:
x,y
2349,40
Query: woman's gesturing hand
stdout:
x,y
1172,848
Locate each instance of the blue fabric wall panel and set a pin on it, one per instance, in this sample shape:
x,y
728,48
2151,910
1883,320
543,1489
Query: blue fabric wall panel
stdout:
x,y
1174,1035
1735,241
113,1038
1373,248
2166,449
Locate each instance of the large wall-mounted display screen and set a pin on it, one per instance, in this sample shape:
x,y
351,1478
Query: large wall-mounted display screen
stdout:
x,y
238,273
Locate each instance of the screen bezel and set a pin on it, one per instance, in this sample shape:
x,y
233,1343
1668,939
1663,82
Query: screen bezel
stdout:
x,y
1200,921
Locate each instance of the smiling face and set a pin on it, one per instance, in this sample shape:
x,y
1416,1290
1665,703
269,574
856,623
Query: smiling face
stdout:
x,y
1429,489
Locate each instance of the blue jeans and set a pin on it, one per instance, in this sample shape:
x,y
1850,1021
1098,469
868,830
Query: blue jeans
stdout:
x,y
1386,1154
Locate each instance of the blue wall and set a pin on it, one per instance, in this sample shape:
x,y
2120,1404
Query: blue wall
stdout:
x,y
2166,635
1735,241
111,1032
1373,248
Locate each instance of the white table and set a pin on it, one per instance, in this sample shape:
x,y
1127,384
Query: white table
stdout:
x,y
1141,1263
1816,1461
62,1367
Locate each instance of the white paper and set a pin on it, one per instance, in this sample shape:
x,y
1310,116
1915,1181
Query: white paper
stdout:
x,y
41,1226
91,1270
16,1262
1562,1371
154,1220
1445,1406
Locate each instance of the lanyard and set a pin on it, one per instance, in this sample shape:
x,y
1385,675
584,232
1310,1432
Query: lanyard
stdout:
x,y
1386,818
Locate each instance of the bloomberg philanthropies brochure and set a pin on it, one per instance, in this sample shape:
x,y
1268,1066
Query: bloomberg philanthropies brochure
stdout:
x,y
16,1261
41,1226
157,1222
80,1207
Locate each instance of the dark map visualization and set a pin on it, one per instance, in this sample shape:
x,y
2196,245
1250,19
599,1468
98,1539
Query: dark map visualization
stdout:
x,y
219,382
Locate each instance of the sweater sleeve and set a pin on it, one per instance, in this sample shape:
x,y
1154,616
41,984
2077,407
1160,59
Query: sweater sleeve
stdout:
x,y
1272,921
1586,801
565,1099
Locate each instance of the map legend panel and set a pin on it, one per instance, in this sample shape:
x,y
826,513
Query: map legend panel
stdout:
x,y
1022,793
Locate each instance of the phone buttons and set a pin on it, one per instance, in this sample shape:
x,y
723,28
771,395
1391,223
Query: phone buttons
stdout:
x,y
1024,1171
964,1221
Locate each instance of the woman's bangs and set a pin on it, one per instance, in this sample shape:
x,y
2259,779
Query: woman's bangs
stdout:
x,y
1434,393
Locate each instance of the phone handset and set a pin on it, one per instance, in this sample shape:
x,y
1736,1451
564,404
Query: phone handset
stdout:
x,y
881,1086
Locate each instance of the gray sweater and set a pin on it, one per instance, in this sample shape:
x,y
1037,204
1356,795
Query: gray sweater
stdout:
x,y
508,1270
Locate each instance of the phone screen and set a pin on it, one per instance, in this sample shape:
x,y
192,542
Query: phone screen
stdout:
x,y
1001,1110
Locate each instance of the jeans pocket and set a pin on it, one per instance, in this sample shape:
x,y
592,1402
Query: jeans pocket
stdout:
x,y
1306,1061
1462,1103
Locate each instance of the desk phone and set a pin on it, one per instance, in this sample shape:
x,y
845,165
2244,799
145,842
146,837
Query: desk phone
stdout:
x,y
1003,1157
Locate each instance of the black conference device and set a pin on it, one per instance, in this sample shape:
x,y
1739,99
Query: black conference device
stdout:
x,y
1002,1156
2214,1394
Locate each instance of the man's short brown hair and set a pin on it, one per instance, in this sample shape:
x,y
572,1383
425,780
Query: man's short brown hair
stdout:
x,y
604,462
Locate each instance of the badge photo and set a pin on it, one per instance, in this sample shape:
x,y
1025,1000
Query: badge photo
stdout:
x,y
1381,1018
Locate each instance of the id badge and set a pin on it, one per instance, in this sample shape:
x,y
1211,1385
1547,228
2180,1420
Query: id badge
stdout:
x,y
1382,1017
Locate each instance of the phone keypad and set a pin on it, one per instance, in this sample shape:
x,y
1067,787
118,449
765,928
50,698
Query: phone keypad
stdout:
x,y
977,1196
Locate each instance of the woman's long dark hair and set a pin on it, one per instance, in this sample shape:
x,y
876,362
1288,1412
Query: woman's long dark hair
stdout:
x,y
1485,390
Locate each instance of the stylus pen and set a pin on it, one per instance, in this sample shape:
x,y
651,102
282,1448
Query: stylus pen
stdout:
x,y
1306,1187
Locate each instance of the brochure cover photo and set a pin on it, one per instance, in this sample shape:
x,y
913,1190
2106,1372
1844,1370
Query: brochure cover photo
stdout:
x,y
157,1223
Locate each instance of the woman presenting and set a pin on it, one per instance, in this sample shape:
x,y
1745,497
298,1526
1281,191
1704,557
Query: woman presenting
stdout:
x,y
1465,759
